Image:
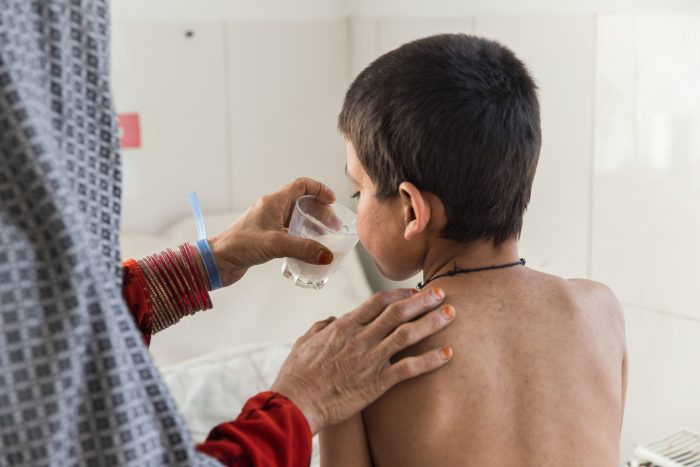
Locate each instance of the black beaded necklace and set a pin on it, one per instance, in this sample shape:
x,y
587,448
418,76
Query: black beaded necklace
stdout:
x,y
456,270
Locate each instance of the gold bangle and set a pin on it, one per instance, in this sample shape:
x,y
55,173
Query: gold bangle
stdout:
x,y
178,262
159,305
172,308
161,315
186,307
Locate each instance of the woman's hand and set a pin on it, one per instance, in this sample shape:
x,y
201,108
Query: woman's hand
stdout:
x,y
340,366
261,233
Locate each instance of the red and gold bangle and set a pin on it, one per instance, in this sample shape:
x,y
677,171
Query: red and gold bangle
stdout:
x,y
176,285
165,314
158,275
183,281
158,295
172,310
157,292
188,256
190,284
196,273
183,299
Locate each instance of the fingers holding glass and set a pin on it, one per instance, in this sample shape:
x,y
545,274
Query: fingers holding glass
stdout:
x,y
331,225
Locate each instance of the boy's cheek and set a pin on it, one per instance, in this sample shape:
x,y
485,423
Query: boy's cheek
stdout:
x,y
381,235
391,258
373,244
383,262
394,270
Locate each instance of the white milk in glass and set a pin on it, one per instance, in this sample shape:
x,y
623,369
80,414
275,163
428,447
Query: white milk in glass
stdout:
x,y
316,276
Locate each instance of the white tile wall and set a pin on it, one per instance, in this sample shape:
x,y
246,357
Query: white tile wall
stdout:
x,y
646,211
233,112
221,10
394,32
225,10
363,43
647,194
458,8
177,84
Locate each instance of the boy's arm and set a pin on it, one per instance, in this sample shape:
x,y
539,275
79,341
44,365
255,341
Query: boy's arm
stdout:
x,y
345,444
624,383
616,306
618,312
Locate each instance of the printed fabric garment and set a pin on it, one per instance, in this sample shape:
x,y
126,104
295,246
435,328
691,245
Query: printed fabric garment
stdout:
x,y
77,386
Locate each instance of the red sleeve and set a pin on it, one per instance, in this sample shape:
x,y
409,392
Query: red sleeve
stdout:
x,y
137,298
270,432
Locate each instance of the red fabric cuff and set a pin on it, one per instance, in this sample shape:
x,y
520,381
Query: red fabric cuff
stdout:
x,y
270,432
138,298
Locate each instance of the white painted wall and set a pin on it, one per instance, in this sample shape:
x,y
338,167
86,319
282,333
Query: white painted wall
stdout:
x,y
286,84
461,8
177,85
646,210
231,110
254,98
226,10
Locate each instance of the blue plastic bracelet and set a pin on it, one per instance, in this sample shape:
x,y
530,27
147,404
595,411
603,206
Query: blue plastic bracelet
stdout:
x,y
203,245
209,263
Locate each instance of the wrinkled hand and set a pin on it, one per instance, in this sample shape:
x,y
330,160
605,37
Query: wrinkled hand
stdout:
x,y
340,366
261,233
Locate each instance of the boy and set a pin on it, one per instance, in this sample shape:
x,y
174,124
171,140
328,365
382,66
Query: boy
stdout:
x,y
443,137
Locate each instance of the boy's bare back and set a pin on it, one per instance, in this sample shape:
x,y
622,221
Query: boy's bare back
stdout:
x,y
538,379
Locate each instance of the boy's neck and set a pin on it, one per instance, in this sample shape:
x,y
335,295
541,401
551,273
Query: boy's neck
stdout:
x,y
445,255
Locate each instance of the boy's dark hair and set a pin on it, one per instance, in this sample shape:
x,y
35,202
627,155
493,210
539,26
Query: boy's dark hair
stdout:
x,y
457,116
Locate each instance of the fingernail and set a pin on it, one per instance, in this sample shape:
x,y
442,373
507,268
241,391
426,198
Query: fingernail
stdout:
x,y
448,312
437,293
325,257
446,353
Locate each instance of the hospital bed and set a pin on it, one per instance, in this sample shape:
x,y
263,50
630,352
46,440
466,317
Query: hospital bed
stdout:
x,y
214,361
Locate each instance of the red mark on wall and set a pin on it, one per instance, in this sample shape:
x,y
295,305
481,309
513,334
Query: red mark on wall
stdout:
x,y
129,131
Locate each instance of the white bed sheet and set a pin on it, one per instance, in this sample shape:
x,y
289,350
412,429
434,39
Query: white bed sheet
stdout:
x,y
213,388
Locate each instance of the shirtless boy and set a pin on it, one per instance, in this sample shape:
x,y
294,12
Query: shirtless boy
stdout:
x,y
443,137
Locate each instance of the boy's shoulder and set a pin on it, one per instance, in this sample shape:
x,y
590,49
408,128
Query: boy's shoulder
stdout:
x,y
597,295
585,295
593,290
581,289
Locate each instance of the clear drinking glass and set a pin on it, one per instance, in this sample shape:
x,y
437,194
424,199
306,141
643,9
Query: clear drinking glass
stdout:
x,y
332,225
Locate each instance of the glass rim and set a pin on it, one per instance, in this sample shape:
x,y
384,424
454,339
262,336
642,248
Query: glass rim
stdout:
x,y
321,224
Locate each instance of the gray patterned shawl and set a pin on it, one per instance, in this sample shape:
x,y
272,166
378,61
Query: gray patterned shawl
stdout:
x,y
77,385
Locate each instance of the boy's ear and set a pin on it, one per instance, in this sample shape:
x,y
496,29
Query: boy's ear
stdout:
x,y
415,210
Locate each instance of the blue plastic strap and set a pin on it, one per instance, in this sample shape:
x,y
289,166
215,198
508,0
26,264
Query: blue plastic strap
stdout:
x,y
203,245
209,263
198,216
